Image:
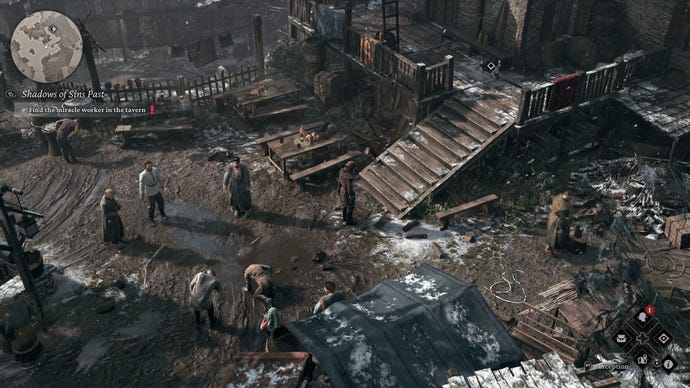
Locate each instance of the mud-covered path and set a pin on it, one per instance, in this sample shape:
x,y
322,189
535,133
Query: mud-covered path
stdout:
x,y
149,337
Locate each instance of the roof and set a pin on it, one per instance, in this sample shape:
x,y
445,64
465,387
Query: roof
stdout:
x,y
407,333
267,369
666,109
546,372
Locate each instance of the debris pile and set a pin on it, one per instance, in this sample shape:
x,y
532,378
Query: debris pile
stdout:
x,y
641,192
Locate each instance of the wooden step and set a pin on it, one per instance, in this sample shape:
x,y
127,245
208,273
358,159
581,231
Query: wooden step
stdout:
x,y
446,141
424,158
457,134
404,172
422,140
496,109
366,186
324,165
399,185
382,187
454,108
408,161
469,127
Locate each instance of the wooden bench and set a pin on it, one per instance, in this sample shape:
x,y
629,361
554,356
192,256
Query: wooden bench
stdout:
x,y
442,217
324,165
264,140
276,112
128,130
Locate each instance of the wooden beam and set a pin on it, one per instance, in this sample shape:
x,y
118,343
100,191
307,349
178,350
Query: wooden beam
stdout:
x,y
259,45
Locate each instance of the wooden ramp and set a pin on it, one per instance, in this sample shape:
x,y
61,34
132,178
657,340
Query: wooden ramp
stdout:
x,y
440,146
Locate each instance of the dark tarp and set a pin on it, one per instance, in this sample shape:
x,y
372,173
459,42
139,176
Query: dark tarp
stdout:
x,y
330,21
407,333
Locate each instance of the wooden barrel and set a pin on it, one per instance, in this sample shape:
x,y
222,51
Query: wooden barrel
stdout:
x,y
314,57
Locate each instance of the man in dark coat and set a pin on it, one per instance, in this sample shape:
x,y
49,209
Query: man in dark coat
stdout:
x,y
346,192
113,231
237,182
558,223
66,130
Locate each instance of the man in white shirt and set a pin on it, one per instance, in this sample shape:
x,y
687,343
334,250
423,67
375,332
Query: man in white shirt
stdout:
x,y
151,187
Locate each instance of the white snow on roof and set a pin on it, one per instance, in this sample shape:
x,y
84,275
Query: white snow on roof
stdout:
x,y
426,288
277,377
363,361
478,339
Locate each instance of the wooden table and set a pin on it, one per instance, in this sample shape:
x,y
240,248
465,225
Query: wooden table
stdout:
x,y
245,101
287,148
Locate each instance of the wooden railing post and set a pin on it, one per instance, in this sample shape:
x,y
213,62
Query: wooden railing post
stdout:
x,y
450,63
523,107
421,78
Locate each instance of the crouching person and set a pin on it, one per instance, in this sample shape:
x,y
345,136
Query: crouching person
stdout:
x,y
200,292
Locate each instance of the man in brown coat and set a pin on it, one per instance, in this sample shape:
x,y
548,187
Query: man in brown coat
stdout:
x,y
346,191
558,223
261,275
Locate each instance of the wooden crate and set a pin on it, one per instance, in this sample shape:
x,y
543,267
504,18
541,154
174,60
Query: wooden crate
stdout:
x,y
329,87
678,230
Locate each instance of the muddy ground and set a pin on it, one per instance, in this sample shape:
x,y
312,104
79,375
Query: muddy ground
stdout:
x,y
149,337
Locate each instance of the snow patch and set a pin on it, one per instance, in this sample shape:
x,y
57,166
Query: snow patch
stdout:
x,y
476,337
426,288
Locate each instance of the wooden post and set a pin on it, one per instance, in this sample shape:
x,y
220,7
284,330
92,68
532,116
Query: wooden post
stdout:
x,y
347,23
521,32
8,223
673,150
259,45
523,106
450,63
90,61
421,78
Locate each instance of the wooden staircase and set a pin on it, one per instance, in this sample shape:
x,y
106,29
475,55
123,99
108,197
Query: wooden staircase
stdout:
x,y
440,146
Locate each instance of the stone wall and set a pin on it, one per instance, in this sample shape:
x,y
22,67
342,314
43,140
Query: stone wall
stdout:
x,y
649,24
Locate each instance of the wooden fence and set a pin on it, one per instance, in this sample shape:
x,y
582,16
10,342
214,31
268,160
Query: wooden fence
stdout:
x,y
196,90
546,98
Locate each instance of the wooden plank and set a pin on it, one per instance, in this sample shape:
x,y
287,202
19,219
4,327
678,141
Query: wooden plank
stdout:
x,y
520,375
486,378
457,382
457,134
424,157
276,112
413,164
401,187
446,157
457,108
469,127
123,128
382,187
566,372
473,382
509,379
538,343
442,139
324,165
275,136
537,376
403,171
544,368
366,186
466,206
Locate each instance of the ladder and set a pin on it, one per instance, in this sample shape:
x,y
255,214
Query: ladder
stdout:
x,y
391,24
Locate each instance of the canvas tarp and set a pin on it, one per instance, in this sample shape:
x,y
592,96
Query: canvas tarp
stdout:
x,y
407,333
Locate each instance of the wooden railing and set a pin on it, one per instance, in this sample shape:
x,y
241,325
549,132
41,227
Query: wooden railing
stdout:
x,y
196,90
544,99
422,80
